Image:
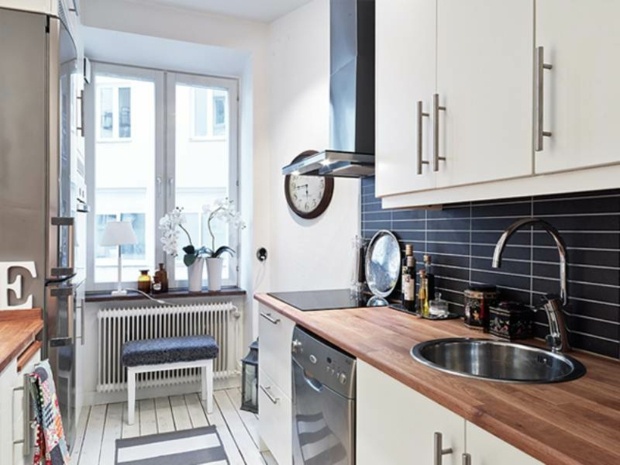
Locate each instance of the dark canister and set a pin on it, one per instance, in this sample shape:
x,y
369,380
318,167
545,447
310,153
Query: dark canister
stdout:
x,y
478,299
511,320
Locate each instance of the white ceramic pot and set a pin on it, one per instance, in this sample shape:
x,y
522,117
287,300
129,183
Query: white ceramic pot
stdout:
x,y
214,273
194,275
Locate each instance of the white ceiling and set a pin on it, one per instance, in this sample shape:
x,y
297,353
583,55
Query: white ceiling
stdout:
x,y
256,10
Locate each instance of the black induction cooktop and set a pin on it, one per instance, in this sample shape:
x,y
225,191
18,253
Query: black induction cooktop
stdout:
x,y
338,299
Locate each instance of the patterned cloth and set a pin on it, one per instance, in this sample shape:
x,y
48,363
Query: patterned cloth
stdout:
x,y
51,447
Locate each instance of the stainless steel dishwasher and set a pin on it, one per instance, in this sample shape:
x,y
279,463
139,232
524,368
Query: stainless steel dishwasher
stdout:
x,y
323,402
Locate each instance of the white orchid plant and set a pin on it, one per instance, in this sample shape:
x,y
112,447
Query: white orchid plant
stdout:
x,y
173,222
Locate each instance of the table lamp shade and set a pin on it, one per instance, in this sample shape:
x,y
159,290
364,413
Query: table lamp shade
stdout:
x,y
118,233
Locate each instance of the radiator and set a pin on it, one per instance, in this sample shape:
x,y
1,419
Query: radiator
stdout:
x,y
119,325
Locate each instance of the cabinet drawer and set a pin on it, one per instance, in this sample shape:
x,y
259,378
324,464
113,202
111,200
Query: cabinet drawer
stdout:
x,y
275,332
275,419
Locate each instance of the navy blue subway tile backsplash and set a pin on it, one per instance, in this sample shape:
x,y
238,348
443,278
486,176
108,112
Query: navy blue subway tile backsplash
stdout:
x,y
461,239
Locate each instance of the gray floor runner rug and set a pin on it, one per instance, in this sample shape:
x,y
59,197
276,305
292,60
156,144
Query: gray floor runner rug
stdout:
x,y
198,446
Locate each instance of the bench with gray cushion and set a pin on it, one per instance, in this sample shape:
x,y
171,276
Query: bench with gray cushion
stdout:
x,y
170,353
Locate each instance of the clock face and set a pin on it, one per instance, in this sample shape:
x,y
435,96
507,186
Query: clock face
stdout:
x,y
308,196
306,192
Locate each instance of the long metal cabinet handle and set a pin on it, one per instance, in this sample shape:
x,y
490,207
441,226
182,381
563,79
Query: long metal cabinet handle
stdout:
x,y
82,325
466,459
69,222
439,451
267,391
421,114
541,66
71,316
268,317
81,99
436,109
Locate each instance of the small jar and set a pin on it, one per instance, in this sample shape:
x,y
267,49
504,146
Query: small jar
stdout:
x,y
478,299
438,307
144,281
511,320
160,280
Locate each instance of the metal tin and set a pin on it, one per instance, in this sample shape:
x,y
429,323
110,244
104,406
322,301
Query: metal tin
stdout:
x,y
478,299
511,320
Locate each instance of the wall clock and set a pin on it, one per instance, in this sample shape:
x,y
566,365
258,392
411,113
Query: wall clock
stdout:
x,y
308,196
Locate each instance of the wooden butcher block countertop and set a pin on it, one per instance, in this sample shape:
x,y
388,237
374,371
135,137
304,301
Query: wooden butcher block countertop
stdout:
x,y
18,329
576,422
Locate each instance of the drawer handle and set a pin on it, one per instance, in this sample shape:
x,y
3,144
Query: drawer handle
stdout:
x,y
267,391
439,450
466,459
269,318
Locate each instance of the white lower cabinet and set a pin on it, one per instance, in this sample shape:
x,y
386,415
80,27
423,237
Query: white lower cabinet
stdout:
x,y
14,414
396,426
486,449
275,332
275,419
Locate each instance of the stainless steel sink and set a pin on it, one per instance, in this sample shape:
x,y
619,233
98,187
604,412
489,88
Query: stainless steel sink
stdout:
x,y
497,361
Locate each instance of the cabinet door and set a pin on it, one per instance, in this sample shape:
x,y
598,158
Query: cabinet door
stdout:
x,y
274,340
485,82
275,419
396,425
581,40
405,75
486,449
8,379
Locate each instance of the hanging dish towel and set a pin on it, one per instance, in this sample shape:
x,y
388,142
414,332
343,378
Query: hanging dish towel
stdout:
x,y
51,447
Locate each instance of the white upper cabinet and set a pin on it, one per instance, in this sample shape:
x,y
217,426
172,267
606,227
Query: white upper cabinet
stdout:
x,y
454,91
581,92
484,80
405,79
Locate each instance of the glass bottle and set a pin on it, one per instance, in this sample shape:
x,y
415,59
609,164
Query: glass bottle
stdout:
x,y
408,279
160,280
144,281
430,277
438,307
423,295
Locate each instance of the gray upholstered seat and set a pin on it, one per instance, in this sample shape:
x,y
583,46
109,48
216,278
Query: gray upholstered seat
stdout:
x,y
169,350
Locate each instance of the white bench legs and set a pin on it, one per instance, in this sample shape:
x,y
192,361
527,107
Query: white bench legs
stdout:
x,y
206,381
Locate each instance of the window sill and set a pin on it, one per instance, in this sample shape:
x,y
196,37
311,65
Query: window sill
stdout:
x,y
105,296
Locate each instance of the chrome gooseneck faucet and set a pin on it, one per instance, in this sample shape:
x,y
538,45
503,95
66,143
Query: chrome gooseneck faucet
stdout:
x,y
557,339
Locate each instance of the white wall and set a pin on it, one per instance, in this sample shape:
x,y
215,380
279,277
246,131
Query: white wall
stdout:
x,y
306,254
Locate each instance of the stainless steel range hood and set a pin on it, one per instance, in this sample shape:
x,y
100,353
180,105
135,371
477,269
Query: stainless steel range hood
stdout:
x,y
351,95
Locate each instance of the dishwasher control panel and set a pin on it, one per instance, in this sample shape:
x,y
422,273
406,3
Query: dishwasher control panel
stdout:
x,y
324,362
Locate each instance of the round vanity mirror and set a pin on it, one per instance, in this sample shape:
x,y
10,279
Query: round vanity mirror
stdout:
x,y
382,263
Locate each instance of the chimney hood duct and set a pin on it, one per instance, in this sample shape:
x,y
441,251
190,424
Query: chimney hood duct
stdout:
x,y
351,95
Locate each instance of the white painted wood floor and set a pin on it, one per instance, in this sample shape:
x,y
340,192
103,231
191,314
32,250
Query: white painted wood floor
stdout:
x,y
101,425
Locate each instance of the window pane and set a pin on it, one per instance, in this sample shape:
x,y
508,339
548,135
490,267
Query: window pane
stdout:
x,y
202,171
125,178
219,113
124,110
106,113
201,98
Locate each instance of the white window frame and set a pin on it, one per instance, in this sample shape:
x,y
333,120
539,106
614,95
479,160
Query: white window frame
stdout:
x,y
116,114
210,135
165,152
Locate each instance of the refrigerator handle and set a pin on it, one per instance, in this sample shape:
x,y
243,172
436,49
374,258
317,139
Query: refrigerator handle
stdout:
x,y
71,316
69,223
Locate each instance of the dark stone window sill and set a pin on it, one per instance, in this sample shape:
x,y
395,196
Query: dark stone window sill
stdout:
x,y
105,296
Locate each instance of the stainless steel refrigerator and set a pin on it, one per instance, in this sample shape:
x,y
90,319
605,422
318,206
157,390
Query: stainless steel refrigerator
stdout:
x,y
42,190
